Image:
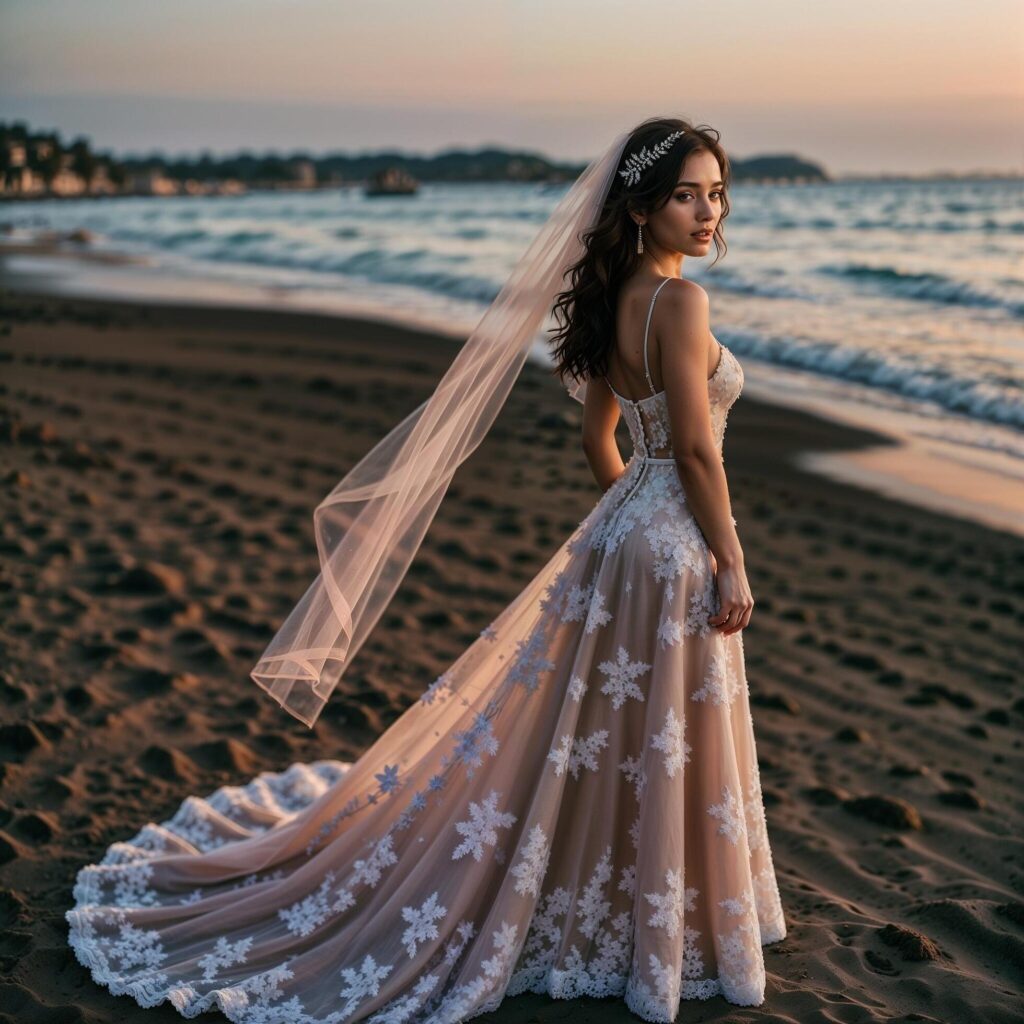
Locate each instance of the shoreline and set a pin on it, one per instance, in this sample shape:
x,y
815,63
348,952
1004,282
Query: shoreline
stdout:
x,y
925,471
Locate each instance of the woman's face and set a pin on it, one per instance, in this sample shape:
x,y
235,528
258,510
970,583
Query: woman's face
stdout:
x,y
695,205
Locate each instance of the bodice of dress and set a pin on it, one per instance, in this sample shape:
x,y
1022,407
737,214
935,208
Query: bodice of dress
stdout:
x,y
647,418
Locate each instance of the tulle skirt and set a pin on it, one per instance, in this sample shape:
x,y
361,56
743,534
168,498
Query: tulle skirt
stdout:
x,y
573,807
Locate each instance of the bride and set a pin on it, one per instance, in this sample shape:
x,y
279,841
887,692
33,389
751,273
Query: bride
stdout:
x,y
574,806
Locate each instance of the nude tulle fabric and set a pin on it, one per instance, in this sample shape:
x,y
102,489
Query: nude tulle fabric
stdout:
x,y
372,523
573,807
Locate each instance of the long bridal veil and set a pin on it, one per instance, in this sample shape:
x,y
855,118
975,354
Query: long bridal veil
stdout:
x,y
372,523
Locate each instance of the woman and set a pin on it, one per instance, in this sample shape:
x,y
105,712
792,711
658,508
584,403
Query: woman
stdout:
x,y
574,806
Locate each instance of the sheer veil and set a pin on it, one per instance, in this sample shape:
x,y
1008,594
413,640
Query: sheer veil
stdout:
x,y
372,523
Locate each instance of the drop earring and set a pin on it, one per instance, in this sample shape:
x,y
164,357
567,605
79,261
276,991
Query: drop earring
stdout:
x,y
639,239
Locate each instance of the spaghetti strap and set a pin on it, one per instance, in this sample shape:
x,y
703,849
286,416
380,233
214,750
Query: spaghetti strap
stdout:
x,y
647,327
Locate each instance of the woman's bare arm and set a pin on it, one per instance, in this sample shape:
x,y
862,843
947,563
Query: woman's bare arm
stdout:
x,y
600,416
683,335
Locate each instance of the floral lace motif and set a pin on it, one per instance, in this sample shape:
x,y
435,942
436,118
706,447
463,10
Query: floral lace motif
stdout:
x,y
569,672
648,421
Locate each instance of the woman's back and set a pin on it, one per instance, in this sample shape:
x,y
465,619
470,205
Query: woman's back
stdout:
x,y
639,306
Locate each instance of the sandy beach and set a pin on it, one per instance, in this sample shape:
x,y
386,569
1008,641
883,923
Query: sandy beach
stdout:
x,y
161,465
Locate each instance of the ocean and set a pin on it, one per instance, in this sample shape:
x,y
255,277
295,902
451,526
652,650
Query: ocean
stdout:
x,y
892,303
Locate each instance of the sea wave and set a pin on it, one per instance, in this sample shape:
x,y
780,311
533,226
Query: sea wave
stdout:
x,y
998,398
927,286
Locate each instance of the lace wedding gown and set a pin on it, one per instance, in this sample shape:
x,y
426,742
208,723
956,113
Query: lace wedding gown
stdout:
x,y
573,807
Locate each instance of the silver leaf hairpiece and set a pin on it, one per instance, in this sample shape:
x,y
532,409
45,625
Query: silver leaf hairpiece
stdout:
x,y
637,163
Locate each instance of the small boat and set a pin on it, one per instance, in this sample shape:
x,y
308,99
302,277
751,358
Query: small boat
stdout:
x,y
392,181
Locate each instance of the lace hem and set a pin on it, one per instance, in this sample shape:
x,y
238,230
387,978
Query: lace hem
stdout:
x,y
558,984
555,984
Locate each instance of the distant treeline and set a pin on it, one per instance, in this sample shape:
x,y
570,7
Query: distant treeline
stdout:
x,y
25,154
492,164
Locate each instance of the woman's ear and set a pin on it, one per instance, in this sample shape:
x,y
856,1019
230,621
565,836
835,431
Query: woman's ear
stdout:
x,y
637,216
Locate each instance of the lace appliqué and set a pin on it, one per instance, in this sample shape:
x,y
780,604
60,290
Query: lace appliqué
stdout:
x,y
723,390
721,683
622,675
573,754
481,829
674,748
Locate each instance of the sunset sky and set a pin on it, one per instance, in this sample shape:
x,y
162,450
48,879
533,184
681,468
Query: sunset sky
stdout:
x,y
858,86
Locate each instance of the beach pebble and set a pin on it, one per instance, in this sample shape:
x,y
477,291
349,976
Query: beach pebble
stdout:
x,y
884,810
909,944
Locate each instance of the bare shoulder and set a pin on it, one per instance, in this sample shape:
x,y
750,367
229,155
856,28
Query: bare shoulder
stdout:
x,y
685,316
684,297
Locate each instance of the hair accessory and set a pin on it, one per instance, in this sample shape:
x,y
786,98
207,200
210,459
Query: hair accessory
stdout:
x,y
637,163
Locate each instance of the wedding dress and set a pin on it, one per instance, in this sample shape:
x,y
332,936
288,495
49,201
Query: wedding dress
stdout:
x,y
573,807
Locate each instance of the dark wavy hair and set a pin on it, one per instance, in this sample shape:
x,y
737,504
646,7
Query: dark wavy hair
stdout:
x,y
585,311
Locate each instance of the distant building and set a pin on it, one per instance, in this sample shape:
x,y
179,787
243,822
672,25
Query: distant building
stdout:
x,y
23,181
67,183
151,182
19,178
